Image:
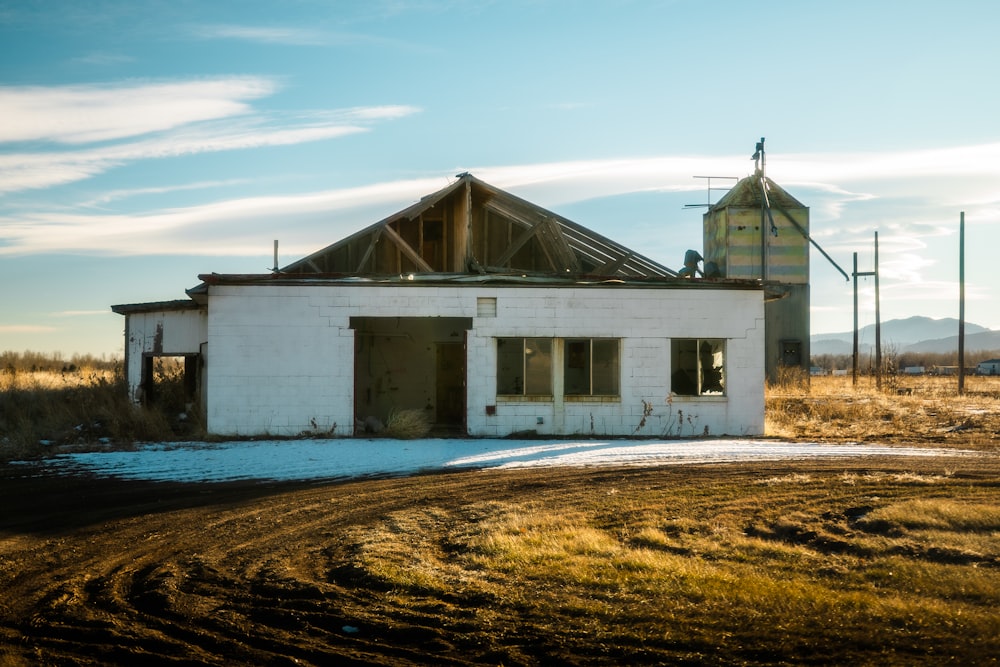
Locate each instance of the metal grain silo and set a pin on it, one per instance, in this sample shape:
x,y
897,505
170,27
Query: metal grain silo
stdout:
x,y
758,231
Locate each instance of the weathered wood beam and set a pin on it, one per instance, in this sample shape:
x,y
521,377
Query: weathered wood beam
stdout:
x,y
516,245
555,246
515,216
561,247
368,252
407,249
612,267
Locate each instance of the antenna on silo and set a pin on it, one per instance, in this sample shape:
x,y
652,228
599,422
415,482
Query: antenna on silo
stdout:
x,y
708,200
275,269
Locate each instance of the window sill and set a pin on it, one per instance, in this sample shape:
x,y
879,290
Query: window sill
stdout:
x,y
593,399
513,398
706,398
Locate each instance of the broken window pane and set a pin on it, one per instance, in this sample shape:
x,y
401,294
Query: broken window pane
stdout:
x,y
698,367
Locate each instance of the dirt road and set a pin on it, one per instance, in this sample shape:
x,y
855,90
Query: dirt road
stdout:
x,y
99,571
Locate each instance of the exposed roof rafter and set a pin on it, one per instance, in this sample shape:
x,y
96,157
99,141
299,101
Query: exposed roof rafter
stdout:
x,y
557,245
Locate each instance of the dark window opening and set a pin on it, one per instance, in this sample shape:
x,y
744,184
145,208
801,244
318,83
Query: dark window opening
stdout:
x,y
524,366
698,367
791,353
591,367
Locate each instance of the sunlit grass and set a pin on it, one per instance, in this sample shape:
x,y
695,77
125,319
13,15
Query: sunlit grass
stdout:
x,y
86,406
785,560
941,514
913,410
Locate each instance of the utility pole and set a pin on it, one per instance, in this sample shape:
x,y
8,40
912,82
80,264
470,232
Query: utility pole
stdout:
x,y
961,304
856,274
878,324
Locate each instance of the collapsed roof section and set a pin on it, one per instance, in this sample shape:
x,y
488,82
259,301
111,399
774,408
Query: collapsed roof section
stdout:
x,y
472,227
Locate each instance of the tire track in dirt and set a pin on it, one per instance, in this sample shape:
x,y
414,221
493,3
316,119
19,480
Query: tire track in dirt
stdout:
x,y
266,574
247,580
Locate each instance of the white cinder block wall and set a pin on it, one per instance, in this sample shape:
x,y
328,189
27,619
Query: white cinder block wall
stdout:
x,y
280,359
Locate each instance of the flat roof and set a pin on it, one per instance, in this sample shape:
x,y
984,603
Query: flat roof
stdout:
x,y
154,306
472,280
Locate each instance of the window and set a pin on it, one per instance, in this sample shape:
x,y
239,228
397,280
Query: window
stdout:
x,y
791,353
698,367
486,306
524,366
590,367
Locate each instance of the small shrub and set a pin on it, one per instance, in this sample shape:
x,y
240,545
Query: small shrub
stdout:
x,y
407,425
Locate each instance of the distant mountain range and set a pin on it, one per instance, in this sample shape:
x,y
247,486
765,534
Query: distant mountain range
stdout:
x,y
913,334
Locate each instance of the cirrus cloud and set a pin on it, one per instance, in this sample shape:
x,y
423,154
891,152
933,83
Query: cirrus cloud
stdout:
x,y
83,114
100,127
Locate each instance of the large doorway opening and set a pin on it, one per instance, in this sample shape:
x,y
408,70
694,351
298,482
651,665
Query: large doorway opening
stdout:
x,y
411,363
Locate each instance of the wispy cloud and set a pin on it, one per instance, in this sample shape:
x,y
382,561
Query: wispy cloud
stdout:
x,y
913,211
24,328
975,162
103,58
298,36
80,313
102,127
94,113
265,34
23,171
237,224
114,195
170,231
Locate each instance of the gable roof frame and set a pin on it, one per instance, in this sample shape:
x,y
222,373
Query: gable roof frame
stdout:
x,y
567,248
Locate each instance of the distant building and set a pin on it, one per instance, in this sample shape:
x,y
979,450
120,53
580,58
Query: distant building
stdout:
x,y
988,367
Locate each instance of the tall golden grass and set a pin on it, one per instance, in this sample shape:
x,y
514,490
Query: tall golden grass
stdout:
x,y
918,409
738,568
44,410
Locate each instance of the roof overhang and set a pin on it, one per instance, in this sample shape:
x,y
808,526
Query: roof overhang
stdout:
x,y
470,280
156,307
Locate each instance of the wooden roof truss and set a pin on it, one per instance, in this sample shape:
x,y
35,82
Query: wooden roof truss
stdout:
x,y
471,227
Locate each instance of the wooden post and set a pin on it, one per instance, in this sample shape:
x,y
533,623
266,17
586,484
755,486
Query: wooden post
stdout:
x,y
854,365
858,274
961,304
878,324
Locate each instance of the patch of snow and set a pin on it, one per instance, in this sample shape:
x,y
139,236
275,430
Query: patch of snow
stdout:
x,y
286,460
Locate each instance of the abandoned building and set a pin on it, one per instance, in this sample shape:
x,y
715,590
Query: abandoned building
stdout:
x,y
488,313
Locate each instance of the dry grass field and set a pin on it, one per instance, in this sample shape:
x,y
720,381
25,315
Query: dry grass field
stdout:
x,y
852,561
912,410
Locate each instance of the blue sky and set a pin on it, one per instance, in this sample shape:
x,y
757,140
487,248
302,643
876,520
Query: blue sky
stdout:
x,y
144,142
